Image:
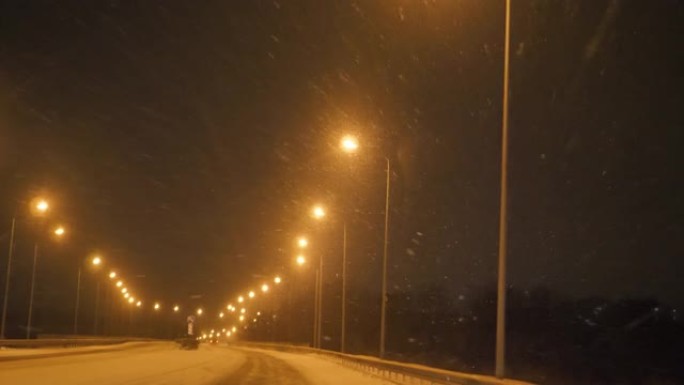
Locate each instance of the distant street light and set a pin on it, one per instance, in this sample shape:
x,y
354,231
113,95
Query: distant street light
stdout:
x,y
157,306
97,260
251,294
318,212
126,295
200,311
138,304
112,275
176,308
241,299
300,260
124,290
221,315
349,144
119,284
277,280
59,231
42,205
264,288
302,242
130,299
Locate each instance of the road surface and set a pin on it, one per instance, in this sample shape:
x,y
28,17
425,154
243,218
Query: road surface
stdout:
x,y
164,364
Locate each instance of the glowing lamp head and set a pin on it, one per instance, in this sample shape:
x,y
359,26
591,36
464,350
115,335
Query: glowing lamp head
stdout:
x,y
264,288
277,280
176,309
349,144
112,275
318,212
42,205
97,261
300,260
59,231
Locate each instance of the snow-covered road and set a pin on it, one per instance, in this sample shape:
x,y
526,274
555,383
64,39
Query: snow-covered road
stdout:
x,y
165,364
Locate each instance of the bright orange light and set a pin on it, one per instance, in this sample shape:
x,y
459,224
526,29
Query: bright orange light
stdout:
x,y
243,310
277,280
157,306
318,212
176,309
126,295
124,290
119,284
42,205
300,260
130,300
138,304
112,275
241,299
97,261
251,294
221,315
242,318
59,231
349,144
200,311
302,242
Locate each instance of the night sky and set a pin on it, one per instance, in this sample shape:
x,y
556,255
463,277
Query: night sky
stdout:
x,y
187,140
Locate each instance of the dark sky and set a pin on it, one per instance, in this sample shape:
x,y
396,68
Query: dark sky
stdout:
x,y
187,140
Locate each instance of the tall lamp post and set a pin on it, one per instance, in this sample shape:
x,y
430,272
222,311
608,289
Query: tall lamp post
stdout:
x,y
96,261
58,232
350,144
501,285
40,207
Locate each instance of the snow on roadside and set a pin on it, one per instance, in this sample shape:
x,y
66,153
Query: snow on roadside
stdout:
x,y
320,371
165,364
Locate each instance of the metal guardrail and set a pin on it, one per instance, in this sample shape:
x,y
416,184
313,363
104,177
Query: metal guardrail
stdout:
x,y
397,372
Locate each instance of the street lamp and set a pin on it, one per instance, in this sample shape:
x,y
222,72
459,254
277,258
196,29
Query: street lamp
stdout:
x,y
112,275
241,299
300,260
42,206
221,315
38,207
97,260
264,288
251,294
200,311
302,242
124,290
318,212
138,304
349,144
277,280
176,309
119,284
157,306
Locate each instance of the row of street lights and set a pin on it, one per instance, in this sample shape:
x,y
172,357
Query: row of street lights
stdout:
x,y
39,207
350,145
